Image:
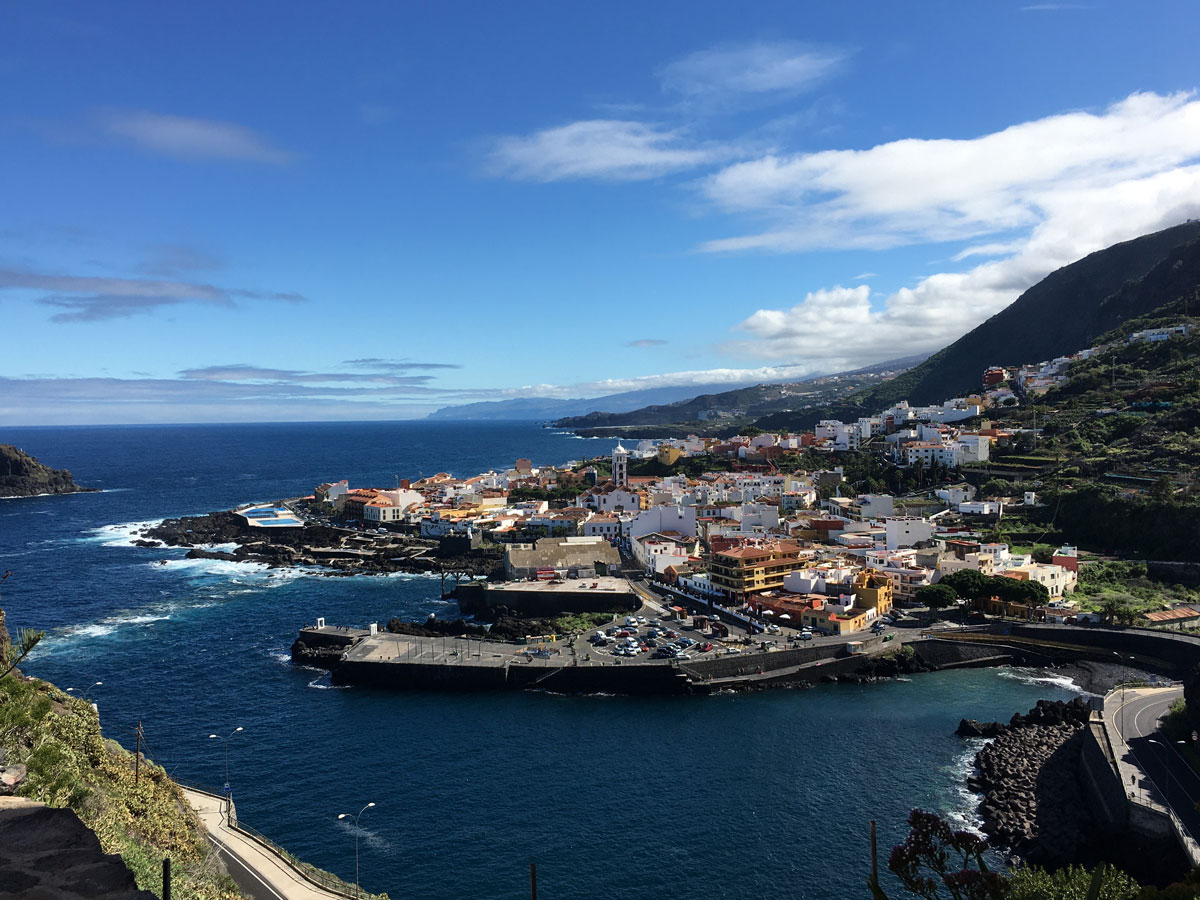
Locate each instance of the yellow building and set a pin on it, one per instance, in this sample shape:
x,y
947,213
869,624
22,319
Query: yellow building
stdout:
x,y
748,570
668,455
872,590
829,621
872,598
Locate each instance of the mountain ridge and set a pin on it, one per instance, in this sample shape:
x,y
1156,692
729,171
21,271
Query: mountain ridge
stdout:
x,y
744,399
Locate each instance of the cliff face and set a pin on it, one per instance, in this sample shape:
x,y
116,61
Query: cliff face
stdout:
x,y
21,475
47,852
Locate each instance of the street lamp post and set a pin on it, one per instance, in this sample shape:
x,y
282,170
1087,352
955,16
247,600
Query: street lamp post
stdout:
x,y
228,792
86,692
355,818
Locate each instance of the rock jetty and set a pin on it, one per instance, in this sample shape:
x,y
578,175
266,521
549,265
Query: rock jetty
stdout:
x,y
22,475
338,551
889,665
1033,801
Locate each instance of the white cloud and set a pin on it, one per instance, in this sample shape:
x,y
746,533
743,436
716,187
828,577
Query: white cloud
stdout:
x,y
918,191
1046,193
612,149
842,323
191,139
757,68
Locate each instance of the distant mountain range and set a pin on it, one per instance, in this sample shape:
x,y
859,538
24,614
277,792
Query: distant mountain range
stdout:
x,y
747,402
1064,312
543,408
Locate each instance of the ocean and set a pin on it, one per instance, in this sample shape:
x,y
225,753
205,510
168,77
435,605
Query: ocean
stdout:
x,y
731,796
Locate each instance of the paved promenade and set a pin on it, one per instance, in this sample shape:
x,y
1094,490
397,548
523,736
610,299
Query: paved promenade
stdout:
x,y
260,873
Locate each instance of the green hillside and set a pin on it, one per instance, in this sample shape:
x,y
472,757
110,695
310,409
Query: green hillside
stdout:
x,y
1119,445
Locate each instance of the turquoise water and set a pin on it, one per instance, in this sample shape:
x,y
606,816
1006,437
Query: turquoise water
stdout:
x,y
738,796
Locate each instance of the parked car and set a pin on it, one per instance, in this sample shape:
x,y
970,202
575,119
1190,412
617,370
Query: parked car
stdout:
x,y
705,647
683,657
773,628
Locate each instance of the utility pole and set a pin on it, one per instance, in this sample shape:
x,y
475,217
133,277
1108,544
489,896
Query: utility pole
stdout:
x,y
137,756
532,881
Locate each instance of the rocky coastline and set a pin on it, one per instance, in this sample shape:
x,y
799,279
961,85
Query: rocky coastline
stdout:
x,y
1029,777
1035,804
334,551
22,475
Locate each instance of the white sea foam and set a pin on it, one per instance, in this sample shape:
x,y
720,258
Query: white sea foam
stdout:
x,y
218,568
1040,676
322,683
90,631
227,547
963,812
142,620
71,634
122,535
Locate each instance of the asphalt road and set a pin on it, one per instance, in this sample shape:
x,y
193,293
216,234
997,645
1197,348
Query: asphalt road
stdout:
x,y
1137,719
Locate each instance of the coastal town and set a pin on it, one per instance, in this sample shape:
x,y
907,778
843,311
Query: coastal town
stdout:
x,y
740,532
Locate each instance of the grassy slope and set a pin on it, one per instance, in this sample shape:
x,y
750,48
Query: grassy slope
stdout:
x,y
72,765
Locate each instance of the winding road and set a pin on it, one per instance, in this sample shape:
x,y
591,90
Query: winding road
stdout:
x,y
1137,720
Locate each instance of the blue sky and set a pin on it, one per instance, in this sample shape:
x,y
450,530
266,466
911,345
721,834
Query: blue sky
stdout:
x,y
300,211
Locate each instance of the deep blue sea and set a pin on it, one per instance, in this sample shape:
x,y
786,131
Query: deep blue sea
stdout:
x,y
739,796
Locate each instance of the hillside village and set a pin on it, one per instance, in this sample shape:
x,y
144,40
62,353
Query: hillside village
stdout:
x,y
737,521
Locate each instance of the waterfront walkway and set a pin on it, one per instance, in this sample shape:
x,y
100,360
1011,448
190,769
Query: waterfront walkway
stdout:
x,y
258,870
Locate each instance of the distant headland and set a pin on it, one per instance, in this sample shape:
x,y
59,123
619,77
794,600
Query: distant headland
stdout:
x,y
21,475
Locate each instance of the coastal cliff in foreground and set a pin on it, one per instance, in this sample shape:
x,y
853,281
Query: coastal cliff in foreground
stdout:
x,y
21,475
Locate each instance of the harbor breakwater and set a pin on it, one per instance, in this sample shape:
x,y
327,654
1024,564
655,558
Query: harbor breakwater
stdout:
x,y
356,656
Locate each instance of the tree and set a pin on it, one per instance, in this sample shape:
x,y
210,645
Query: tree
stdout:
x,y
936,596
968,583
1117,609
12,653
933,857
1163,490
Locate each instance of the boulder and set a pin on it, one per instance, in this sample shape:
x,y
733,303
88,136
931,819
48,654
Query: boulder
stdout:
x,y
11,778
